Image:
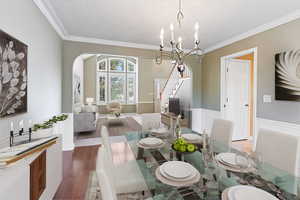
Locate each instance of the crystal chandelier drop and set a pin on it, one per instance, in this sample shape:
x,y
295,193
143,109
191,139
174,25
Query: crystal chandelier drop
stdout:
x,y
177,53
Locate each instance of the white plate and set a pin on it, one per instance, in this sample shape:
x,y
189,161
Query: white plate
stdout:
x,y
227,158
191,137
177,183
150,147
242,192
163,173
177,169
151,141
162,130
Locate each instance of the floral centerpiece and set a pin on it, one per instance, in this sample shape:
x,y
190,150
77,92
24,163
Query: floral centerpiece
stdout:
x,y
50,123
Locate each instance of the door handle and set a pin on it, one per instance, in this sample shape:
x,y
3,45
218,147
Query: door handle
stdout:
x,y
247,105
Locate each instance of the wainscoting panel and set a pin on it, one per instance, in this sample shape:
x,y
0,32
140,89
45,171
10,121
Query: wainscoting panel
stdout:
x,y
284,127
203,119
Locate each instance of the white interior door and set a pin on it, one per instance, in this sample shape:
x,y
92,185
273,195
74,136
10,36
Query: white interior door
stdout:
x,y
237,96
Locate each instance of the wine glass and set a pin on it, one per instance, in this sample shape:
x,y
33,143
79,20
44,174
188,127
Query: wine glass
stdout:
x,y
242,160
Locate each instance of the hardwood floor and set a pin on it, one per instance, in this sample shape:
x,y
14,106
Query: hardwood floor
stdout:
x,y
77,166
244,145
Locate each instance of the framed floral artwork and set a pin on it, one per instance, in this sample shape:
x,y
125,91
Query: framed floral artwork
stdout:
x,y
13,75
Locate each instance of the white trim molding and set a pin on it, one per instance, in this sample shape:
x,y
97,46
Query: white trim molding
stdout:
x,y
223,95
277,22
49,12
110,42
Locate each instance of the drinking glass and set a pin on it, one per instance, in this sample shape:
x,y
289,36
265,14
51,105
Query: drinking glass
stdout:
x,y
242,160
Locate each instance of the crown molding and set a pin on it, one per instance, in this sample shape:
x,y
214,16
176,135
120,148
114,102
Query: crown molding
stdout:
x,y
49,12
110,42
280,21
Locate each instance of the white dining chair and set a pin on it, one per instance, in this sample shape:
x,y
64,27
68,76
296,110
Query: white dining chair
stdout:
x,y
106,186
222,131
150,121
127,177
281,150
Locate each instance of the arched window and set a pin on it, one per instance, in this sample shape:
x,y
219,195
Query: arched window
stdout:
x,y
116,79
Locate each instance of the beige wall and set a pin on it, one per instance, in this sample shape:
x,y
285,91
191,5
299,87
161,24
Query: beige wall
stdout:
x,y
73,49
148,71
90,77
279,39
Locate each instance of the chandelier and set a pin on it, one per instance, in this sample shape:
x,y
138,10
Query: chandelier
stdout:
x,y
177,53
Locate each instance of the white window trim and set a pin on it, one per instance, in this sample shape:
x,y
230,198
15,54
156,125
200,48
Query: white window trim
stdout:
x,y
98,74
106,65
135,88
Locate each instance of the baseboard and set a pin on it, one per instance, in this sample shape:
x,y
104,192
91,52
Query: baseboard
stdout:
x,y
69,148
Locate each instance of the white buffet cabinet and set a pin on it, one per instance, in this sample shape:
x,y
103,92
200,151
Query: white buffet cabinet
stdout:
x,y
15,179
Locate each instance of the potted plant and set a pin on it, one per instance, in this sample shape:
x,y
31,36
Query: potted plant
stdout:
x,y
58,125
52,126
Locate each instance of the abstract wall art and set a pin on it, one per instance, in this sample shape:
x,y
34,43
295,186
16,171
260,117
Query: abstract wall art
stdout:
x,y
13,76
287,76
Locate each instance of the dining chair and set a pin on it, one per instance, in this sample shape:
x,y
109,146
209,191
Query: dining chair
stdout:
x,y
107,187
127,177
222,131
281,150
150,121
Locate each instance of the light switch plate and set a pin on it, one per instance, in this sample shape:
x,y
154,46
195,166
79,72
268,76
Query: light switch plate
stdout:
x,y
267,98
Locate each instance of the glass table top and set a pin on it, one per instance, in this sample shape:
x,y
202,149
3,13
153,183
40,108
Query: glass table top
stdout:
x,y
214,177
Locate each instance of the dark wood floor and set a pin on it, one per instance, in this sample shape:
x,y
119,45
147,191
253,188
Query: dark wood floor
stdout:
x,y
77,166
79,163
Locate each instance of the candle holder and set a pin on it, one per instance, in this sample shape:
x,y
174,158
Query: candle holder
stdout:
x,y
21,132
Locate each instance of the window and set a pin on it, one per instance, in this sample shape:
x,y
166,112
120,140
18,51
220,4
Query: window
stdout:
x,y
116,79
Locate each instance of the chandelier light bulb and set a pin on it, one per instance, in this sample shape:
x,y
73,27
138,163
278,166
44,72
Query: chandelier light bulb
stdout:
x,y
162,32
171,27
179,42
172,32
196,26
162,37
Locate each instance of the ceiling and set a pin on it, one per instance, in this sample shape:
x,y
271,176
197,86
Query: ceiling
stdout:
x,y
140,21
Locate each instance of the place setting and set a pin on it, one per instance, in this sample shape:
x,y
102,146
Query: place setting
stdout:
x,y
246,192
192,138
162,132
234,162
177,174
151,143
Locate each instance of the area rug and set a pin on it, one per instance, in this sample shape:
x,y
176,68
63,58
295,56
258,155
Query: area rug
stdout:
x,y
128,124
94,193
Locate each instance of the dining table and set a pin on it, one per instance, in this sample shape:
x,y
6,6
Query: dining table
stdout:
x,y
215,177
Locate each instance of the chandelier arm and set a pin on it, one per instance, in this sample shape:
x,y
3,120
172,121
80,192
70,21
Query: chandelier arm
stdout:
x,y
193,50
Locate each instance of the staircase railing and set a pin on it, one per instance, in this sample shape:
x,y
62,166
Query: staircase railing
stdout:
x,y
172,85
